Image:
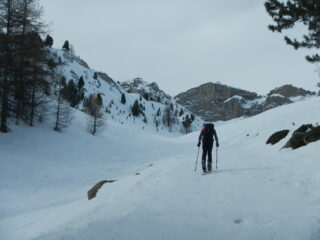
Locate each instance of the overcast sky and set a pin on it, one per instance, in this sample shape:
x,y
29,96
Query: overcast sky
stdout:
x,y
180,44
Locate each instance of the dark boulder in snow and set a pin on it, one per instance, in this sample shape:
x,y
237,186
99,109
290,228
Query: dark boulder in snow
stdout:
x,y
304,128
277,136
303,136
92,193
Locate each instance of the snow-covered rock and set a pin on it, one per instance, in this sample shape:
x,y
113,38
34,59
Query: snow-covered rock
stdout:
x,y
150,91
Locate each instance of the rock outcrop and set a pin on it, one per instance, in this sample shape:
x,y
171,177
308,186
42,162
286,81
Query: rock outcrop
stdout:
x,y
215,101
150,91
303,136
277,136
106,77
289,91
92,193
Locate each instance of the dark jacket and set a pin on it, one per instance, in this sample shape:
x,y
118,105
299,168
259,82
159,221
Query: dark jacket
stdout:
x,y
207,139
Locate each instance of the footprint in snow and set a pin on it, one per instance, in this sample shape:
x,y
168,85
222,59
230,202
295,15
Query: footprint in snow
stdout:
x,y
237,221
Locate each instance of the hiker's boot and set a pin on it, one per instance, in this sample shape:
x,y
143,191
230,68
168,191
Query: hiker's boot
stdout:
x,y
209,168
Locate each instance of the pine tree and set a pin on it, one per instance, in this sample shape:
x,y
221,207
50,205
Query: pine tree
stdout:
x,y
66,46
168,118
38,78
73,93
80,83
8,26
181,112
95,76
80,90
70,93
287,15
123,98
49,41
187,123
93,106
136,109
63,111
156,122
23,75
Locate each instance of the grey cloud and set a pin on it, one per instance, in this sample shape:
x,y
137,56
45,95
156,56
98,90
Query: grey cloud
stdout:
x,y
180,43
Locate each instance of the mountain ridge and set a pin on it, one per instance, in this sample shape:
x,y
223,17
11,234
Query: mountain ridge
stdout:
x,y
210,101
157,110
216,101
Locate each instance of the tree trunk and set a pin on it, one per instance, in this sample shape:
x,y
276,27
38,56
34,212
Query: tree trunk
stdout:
x,y
4,111
32,106
94,125
5,86
58,110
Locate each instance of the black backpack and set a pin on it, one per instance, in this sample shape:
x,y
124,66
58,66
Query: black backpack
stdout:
x,y
208,132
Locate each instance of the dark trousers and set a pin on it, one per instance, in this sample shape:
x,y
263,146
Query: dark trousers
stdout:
x,y
207,150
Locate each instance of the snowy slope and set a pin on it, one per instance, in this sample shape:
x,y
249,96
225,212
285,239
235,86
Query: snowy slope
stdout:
x,y
111,93
259,191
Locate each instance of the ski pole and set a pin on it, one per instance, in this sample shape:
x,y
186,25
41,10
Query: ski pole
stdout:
x,y
195,168
217,159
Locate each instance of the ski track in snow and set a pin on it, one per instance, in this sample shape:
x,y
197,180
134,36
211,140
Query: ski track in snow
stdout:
x,y
258,191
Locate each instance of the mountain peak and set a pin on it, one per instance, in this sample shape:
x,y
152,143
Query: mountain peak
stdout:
x,y
289,91
149,91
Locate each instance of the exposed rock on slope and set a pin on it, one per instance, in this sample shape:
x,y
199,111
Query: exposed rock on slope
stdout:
x,y
92,193
150,91
290,91
303,136
277,136
215,101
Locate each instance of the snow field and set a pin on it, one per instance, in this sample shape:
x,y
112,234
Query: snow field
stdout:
x,y
258,192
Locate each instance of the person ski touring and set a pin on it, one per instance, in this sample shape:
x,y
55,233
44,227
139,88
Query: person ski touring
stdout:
x,y
206,136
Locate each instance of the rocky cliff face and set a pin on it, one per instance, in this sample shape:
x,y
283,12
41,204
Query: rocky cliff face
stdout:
x,y
215,101
290,91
